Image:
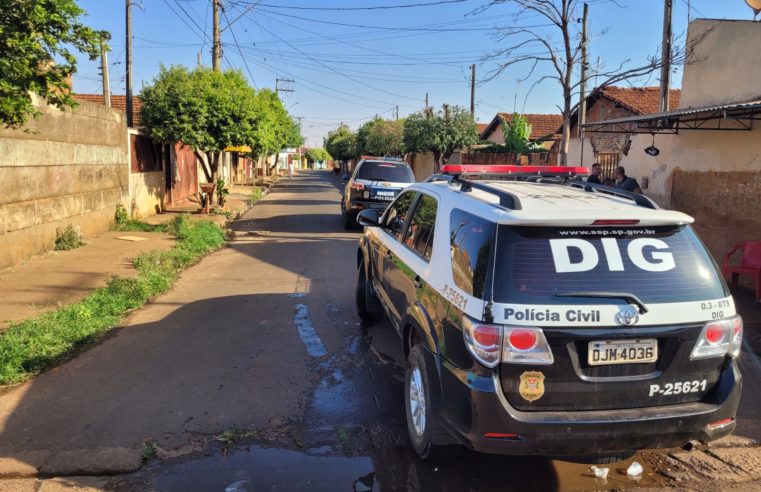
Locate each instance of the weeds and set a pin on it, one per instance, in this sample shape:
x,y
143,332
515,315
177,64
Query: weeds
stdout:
x,y
149,450
256,194
68,238
29,347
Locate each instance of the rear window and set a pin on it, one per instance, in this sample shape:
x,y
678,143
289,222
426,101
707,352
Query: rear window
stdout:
x,y
392,172
657,264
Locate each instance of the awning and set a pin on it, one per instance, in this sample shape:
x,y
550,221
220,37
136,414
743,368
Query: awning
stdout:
x,y
243,149
728,117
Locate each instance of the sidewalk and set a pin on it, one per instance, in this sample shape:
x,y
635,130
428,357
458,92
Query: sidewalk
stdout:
x,y
61,277
46,281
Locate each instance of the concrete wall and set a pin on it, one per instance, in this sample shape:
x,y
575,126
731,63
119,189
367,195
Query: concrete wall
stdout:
x,y
725,64
147,189
69,167
422,165
147,193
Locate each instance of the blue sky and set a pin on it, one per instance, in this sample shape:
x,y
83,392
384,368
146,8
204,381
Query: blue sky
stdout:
x,y
349,65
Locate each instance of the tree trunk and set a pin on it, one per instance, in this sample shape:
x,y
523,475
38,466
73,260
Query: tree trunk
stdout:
x,y
437,156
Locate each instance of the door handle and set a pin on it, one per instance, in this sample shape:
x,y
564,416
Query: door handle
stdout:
x,y
418,283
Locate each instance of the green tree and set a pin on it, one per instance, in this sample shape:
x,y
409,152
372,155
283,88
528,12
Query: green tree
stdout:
x,y
210,111
318,154
385,138
440,132
517,133
341,143
38,39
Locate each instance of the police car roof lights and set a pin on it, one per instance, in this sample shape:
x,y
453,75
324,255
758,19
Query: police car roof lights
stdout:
x,y
381,158
511,170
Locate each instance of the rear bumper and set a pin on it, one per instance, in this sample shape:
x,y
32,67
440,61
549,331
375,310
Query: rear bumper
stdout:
x,y
473,405
357,205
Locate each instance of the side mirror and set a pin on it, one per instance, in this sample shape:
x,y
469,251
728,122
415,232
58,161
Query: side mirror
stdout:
x,y
369,218
345,177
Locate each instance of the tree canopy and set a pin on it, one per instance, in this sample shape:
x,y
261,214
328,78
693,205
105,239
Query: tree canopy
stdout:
x,y
381,137
341,143
210,111
318,154
441,132
517,134
38,39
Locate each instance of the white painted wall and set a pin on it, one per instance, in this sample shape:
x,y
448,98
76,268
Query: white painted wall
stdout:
x,y
725,66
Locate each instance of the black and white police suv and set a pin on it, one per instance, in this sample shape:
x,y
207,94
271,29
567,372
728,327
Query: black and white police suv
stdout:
x,y
543,315
374,183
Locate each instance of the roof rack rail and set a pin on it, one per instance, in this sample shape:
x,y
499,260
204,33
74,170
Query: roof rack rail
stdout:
x,y
506,199
640,200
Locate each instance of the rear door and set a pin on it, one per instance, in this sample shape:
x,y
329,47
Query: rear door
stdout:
x,y
568,281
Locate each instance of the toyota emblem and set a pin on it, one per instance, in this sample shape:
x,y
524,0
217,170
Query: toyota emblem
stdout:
x,y
627,316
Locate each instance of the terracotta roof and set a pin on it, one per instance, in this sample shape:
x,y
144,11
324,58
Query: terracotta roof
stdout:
x,y
480,127
117,102
542,125
640,100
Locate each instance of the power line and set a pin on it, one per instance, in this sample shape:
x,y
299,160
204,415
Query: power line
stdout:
x,y
336,72
245,63
377,27
378,7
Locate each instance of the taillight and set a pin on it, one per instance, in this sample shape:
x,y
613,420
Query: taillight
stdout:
x,y
719,338
526,346
492,344
484,341
357,186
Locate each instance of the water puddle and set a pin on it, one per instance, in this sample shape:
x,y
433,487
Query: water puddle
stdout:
x,y
393,469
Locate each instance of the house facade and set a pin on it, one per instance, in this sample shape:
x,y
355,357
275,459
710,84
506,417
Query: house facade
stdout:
x,y
705,155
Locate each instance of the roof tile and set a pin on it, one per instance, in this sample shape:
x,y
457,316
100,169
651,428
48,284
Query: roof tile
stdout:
x,y
117,102
641,100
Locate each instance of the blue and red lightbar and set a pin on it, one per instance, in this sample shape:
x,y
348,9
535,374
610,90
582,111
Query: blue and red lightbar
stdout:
x,y
569,171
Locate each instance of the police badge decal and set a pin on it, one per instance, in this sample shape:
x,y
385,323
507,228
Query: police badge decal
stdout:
x,y
531,387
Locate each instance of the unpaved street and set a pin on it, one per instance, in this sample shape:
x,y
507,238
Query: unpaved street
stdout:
x,y
254,369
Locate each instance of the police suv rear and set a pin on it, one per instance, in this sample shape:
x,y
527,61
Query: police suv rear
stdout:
x,y
373,185
543,315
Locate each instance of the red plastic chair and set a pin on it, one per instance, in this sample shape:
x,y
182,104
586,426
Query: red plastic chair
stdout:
x,y
750,264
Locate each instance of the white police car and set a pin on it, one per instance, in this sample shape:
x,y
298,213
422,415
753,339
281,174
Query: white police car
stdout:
x,y
543,315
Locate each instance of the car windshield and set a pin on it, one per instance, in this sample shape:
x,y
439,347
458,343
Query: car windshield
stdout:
x,y
392,172
656,264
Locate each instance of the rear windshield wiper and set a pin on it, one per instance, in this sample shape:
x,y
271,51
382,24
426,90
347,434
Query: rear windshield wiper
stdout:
x,y
631,298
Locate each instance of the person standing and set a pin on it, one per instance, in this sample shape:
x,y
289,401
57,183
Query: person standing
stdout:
x,y
594,177
291,167
626,183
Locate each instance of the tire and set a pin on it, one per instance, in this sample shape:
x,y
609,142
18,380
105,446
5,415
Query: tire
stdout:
x,y
349,221
425,434
368,306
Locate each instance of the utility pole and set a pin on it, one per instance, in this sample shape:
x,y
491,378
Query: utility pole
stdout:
x,y
216,48
279,88
668,7
300,163
426,100
199,59
128,75
473,89
583,81
396,112
104,71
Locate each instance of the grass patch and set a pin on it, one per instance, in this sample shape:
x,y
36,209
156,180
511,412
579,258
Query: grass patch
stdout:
x,y
31,346
68,238
256,194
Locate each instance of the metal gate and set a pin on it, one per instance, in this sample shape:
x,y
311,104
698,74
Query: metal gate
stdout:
x,y
608,162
